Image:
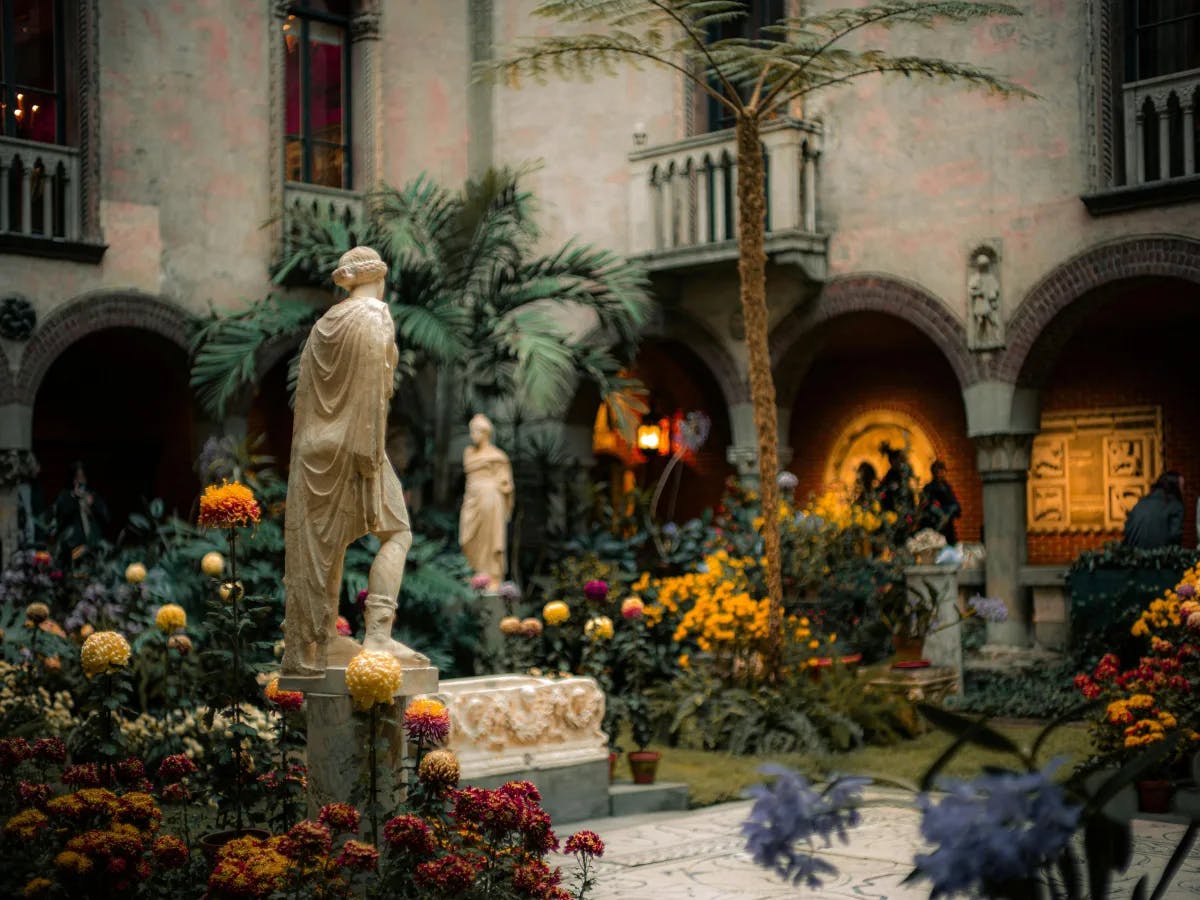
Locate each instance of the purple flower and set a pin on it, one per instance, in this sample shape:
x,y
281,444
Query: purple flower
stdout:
x,y
788,812
692,431
995,829
1185,591
670,529
509,592
990,609
595,591
787,482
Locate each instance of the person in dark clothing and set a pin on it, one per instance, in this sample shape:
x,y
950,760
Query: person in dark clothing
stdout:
x,y
80,515
1157,519
865,480
939,505
896,492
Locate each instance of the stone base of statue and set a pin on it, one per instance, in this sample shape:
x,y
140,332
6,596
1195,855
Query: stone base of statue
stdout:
x,y
491,610
943,648
929,685
525,728
337,736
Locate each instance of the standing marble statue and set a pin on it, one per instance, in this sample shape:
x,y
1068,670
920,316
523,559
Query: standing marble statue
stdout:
x,y
487,503
341,485
986,327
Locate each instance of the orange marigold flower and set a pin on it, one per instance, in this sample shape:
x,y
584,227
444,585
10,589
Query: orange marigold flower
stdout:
x,y
288,701
229,505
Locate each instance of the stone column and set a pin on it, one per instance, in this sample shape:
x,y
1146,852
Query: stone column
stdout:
x,y
368,96
1003,461
336,736
16,442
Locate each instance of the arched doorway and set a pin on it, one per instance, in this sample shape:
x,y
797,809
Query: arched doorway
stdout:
x,y
118,400
1117,387
677,383
864,378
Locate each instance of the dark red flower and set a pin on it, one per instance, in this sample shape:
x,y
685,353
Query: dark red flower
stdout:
x,y
409,834
585,843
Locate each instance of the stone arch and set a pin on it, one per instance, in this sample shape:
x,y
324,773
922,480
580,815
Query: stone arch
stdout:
x,y
1034,323
735,387
871,293
95,312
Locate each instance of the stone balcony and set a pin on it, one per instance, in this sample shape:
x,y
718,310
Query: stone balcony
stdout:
x,y
1160,127
346,207
683,201
39,190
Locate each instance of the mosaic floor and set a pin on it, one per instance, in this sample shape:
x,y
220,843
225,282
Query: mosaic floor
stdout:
x,y
699,854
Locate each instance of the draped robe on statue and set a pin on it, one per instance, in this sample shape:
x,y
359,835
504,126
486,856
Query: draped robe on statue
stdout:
x,y
342,395
487,504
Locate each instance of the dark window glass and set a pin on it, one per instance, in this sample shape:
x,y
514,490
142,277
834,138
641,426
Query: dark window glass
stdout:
x,y
316,132
760,13
33,69
1164,37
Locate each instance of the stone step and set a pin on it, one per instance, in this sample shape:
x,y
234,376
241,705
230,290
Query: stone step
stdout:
x,y
628,799
1002,658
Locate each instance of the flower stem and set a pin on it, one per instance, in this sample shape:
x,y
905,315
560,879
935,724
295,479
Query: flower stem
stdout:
x,y
371,760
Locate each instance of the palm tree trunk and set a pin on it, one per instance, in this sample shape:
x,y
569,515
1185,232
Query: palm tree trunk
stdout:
x,y
752,262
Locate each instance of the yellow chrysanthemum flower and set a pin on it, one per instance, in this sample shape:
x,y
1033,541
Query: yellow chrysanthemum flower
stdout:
x,y
556,612
102,652
373,678
171,617
213,564
228,505
135,573
599,628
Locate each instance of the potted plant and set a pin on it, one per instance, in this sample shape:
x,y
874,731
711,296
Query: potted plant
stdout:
x,y
912,617
634,661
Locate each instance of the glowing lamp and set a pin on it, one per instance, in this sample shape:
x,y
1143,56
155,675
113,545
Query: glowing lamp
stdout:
x,y
648,438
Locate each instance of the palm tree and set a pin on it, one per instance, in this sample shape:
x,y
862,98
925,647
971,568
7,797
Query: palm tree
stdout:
x,y
753,80
468,295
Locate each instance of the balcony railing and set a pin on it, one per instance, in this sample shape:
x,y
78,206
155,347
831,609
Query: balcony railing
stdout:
x,y
39,190
1160,128
683,197
317,200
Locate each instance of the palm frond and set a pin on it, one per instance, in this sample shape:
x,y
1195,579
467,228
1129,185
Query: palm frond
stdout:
x,y
225,350
437,332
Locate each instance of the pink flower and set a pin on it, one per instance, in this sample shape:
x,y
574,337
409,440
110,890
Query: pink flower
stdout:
x,y
343,626
595,591
480,582
585,843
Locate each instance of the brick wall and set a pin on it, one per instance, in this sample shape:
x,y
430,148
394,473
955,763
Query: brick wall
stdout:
x,y
1137,351
910,376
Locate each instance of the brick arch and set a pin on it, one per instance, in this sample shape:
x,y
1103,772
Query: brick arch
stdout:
x,y
1050,310
873,293
95,312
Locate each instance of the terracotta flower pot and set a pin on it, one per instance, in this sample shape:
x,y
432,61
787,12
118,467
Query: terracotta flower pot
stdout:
x,y
1154,795
908,649
643,765
211,843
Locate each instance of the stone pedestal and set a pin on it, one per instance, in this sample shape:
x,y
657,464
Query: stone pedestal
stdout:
x,y
1003,461
944,648
337,737
930,685
491,611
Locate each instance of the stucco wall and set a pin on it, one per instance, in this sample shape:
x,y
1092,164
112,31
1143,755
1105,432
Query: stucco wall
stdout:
x,y
916,174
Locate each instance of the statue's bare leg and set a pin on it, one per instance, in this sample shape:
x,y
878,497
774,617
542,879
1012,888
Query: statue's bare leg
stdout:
x,y
383,587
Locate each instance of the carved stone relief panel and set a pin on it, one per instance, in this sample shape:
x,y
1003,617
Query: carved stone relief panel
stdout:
x,y
1088,468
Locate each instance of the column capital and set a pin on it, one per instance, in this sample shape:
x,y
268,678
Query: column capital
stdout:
x,y
745,459
1003,457
365,26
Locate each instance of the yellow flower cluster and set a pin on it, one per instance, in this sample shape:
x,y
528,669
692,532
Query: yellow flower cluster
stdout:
x,y
837,512
373,678
1169,610
170,618
716,606
102,652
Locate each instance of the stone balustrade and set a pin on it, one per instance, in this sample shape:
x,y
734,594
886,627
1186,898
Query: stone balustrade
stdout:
x,y
39,190
1160,127
346,207
683,196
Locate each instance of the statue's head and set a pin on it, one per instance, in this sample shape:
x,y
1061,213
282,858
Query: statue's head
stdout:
x,y
359,266
983,261
480,428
